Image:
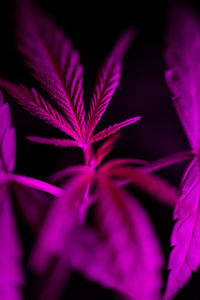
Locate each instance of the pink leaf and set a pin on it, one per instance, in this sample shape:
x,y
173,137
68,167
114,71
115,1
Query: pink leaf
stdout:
x,y
62,217
182,57
167,161
107,81
152,184
106,148
118,162
32,205
11,273
112,129
69,171
91,256
7,139
130,248
53,61
35,184
52,141
37,106
56,282
185,256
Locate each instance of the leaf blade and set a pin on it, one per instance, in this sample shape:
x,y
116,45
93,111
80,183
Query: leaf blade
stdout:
x,y
112,129
131,242
54,62
150,183
182,58
34,103
7,139
11,272
185,237
62,217
107,81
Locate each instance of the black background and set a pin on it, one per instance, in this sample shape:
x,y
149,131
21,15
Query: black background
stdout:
x,y
93,28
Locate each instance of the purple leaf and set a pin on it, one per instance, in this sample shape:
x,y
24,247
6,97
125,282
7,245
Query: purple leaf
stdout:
x,y
91,256
152,184
112,129
69,171
32,205
38,106
62,217
7,139
52,141
182,57
56,282
107,81
106,148
131,250
11,273
53,61
35,184
167,161
185,256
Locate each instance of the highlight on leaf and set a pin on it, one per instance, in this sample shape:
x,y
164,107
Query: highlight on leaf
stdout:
x,y
182,58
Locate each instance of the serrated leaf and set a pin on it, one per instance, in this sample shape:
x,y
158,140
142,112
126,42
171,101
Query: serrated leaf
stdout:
x,y
54,62
107,81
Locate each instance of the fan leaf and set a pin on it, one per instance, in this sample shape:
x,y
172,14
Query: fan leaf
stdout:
x,y
38,106
54,62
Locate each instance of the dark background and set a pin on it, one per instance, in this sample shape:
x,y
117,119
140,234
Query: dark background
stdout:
x,y
94,27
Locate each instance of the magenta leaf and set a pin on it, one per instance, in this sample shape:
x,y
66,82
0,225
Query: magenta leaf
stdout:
x,y
91,256
32,205
112,129
53,61
131,249
35,184
69,171
11,272
53,141
62,217
152,184
37,106
106,148
185,239
55,284
182,57
107,81
7,139
167,161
